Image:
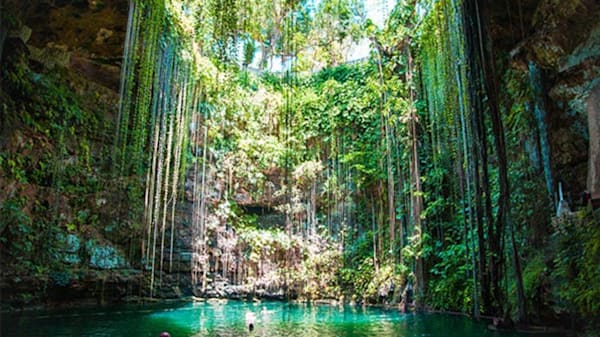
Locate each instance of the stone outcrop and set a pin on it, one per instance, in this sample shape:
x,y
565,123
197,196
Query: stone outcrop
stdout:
x,y
85,36
104,74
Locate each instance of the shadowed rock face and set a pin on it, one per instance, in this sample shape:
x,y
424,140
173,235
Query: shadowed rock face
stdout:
x,y
84,36
562,39
104,74
94,28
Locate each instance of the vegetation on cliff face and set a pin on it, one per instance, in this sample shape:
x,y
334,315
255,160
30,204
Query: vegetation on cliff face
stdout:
x,y
55,182
427,175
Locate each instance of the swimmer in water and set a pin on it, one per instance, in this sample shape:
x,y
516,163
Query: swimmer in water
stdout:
x,y
164,334
250,318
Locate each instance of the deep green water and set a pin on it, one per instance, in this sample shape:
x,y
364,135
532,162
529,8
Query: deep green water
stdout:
x,y
220,319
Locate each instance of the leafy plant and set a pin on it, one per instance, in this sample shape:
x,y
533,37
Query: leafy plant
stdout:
x,y
576,264
17,232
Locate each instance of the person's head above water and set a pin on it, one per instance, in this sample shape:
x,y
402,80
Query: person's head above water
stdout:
x,y
250,318
164,334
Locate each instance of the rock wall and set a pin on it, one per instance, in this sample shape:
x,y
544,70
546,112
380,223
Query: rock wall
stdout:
x,y
85,36
64,230
562,39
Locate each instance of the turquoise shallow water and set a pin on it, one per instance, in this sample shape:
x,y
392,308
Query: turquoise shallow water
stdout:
x,y
273,319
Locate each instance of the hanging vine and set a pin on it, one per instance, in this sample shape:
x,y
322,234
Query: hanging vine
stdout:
x,y
158,97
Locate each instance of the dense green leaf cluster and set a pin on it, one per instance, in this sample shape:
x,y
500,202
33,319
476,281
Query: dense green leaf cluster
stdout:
x,y
576,264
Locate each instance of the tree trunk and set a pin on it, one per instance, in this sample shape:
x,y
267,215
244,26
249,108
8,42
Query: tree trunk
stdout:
x,y
491,86
593,179
387,139
417,195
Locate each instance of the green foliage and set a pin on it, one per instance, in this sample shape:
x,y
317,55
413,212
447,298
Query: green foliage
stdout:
x,y
15,166
364,283
319,273
536,280
451,287
17,230
358,279
577,264
267,242
28,244
336,23
61,278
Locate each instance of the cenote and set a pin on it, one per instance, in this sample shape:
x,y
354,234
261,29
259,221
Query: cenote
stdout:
x,y
273,319
427,154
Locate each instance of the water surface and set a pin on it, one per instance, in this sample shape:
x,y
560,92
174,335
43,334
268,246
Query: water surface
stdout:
x,y
273,319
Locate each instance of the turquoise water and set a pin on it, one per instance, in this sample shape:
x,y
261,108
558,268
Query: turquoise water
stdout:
x,y
229,319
